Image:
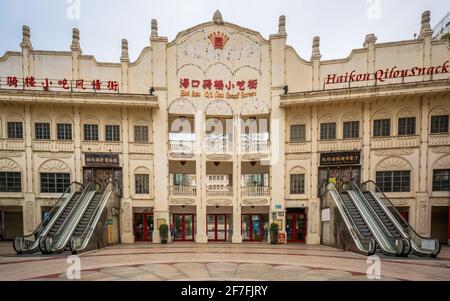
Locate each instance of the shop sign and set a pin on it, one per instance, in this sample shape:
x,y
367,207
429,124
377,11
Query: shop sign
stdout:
x,y
101,160
218,88
326,215
281,238
340,158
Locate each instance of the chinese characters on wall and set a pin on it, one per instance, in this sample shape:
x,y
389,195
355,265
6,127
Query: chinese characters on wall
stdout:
x,y
217,88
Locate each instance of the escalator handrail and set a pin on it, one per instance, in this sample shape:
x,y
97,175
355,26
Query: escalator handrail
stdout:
x,y
397,216
386,236
46,240
331,187
46,223
87,233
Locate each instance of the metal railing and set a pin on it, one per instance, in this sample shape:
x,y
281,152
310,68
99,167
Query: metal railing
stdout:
x,y
255,191
180,190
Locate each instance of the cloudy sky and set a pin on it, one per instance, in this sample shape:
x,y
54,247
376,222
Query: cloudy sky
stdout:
x,y
342,25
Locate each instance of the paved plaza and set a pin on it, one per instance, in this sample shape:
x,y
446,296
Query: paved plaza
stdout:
x,y
188,261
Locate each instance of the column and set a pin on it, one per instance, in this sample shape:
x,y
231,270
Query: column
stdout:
x,y
126,216
77,145
200,171
313,236
29,206
365,158
237,211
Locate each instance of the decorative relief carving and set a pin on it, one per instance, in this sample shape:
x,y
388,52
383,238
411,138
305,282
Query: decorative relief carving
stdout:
x,y
7,155
394,152
254,106
441,150
443,162
439,110
54,165
393,163
297,170
255,157
407,113
422,217
218,108
181,201
382,115
314,216
352,116
219,157
219,202
255,202
181,155
181,106
10,202
8,165
401,202
440,202
30,216
299,156
55,155
126,217
141,157
327,118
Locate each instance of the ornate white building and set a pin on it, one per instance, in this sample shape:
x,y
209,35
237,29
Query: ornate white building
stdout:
x,y
222,131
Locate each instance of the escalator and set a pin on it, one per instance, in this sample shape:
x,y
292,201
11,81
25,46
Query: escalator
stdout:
x,y
52,222
396,224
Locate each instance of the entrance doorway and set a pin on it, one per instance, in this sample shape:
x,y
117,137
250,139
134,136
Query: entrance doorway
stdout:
x,y
252,227
143,226
216,227
102,176
184,227
339,175
296,226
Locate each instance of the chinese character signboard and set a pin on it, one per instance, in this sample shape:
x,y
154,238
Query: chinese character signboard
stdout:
x,y
218,88
341,158
101,160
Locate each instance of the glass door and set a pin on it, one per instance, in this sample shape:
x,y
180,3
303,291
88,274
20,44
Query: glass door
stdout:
x,y
216,227
143,226
184,227
296,227
252,229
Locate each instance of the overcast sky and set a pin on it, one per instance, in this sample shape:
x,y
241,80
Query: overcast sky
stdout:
x,y
341,25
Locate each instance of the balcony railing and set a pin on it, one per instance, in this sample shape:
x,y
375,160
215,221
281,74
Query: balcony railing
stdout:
x,y
180,146
298,147
12,144
219,190
252,147
141,147
339,144
101,146
395,142
179,190
218,147
256,191
439,139
53,145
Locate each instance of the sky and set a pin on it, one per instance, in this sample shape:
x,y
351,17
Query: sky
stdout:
x,y
341,25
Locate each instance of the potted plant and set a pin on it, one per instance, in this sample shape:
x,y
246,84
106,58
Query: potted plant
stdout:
x,y
274,233
163,233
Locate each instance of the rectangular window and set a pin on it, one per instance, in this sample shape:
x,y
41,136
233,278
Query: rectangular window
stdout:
x,y
297,184
141,182
394,181
439,124
351,130
140,133
382,128
42,131
407,126
327,131
298,133
112,133
64,131
441,180
10,182
91,132
54,182
15,130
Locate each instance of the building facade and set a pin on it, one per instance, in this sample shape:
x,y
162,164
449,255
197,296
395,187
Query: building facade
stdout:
x,y
221,132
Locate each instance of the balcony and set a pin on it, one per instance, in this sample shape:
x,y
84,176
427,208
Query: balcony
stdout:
x,y
101,146
218,144
339,144
12,144
395,142
439,139
298,147
53,145
180,190
141,148
255,191
181,146
219,191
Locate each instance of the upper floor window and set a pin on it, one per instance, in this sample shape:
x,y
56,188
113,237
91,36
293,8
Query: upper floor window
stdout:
x,y
54,182
140,133
351,130
42,131
141,183
180,179
90,132
255,180
328,131
297,183
64,131
407,126
298,133
381,127
15,130
441,180
112,133
439,124
10,182
394,181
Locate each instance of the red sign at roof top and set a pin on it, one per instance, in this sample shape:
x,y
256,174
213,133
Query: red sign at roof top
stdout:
x,y
381,75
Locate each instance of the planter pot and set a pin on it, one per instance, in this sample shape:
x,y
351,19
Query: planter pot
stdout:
x,y
163,241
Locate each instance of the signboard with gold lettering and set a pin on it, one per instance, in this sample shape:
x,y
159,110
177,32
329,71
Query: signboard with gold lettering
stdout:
x,y
340,158
101,160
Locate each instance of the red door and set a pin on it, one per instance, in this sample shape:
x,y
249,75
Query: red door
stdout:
x,y
216,227
143,226
184,227
296,227
252,228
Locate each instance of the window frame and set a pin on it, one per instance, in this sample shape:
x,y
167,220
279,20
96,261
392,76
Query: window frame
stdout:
x,y
328,131
56,182
300,133
63,131
89,128
300,185
386,180
138,131
10,184
352,130
407,129
18,131
42,131
379,133
112,133
439,130
141,186
439,187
